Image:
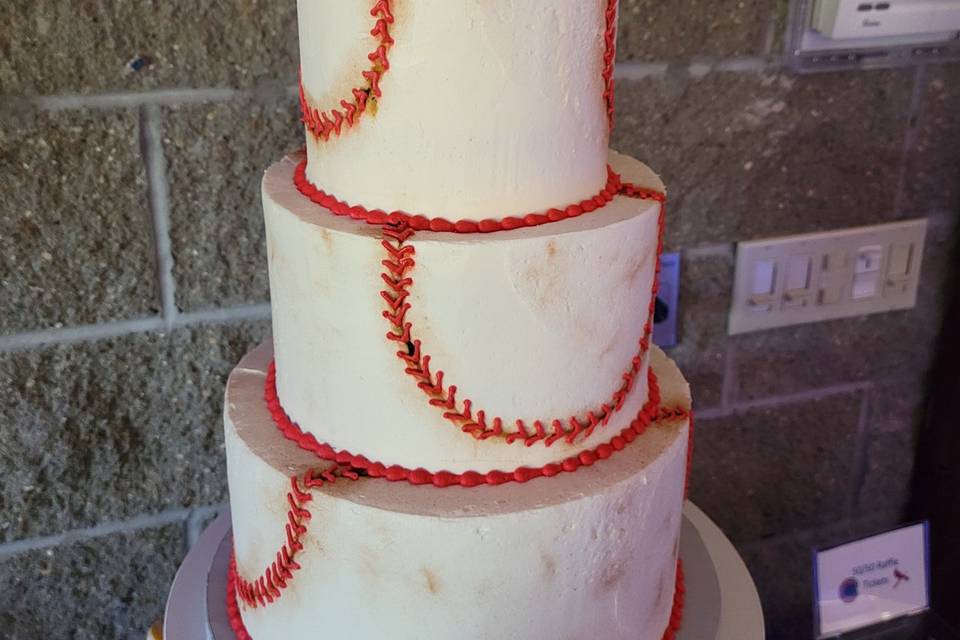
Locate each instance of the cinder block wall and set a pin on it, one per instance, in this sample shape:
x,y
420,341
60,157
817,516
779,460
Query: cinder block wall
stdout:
x,y
132,277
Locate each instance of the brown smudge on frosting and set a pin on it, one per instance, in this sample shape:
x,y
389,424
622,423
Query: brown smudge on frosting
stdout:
x,y
548,565
613,574
432,581
327,239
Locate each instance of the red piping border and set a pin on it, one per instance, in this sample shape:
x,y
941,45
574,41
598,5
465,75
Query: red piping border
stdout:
x,y
650,412
323,124
416,222
609,58
240,629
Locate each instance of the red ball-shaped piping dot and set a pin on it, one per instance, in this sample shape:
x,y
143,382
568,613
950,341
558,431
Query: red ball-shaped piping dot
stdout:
x,y
618,443
524,474
444,479
571,464
552,469
573,211
420,476
377,217
377,470
488,225
496,477
555,214
465,226
470,479
344,457
589,206
420,223
587,458
323,450
535,219
511,223
441,225
604,451
395,472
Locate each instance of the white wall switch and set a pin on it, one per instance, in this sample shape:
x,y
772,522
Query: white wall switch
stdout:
x,y
845,19
823,276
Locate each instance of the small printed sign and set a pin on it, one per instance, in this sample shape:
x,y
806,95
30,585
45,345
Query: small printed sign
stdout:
x,y
871,580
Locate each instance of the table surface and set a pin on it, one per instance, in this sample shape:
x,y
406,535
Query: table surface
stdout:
x,y
721,600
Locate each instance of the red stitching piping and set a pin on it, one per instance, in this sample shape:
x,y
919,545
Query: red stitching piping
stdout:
x,y
240,629
679,598
609,57
423,223
650,412
323,124
398,265
269,585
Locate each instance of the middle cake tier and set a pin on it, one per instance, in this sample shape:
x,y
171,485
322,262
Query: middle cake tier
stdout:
x,y
456,352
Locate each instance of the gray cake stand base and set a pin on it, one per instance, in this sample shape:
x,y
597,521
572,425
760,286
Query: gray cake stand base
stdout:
x,y
721,600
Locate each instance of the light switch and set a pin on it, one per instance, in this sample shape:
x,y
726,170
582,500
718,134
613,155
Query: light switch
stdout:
x,y
797,287
764,274
865,285
868,259
899,264
898,269
826,275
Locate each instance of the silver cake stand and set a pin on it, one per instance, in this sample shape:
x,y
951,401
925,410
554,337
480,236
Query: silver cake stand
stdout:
x,y
721,599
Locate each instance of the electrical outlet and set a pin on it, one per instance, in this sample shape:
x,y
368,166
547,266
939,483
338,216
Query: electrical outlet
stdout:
x,y
823,276
667,307
844,19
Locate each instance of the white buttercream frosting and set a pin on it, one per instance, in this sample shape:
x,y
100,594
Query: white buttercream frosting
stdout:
x,y
584,555
538,323
488,109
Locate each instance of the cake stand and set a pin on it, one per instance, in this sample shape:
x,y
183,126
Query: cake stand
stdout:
x,y
721,599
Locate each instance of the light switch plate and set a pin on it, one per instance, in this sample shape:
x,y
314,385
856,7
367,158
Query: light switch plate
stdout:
x,y
823,276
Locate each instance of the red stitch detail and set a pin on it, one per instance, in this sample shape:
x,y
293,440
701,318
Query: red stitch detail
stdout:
x,y
609,58
412,222
323,124
356,463
398,264
268,585
686,482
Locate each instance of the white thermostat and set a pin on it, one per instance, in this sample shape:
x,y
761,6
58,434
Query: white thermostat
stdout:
x,y
831,34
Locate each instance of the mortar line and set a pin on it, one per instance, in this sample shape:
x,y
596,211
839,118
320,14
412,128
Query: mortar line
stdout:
x,y
781,400
910,135
718,250
700,67
807,395
193,528
228,314
113,100
728,388
82,333
861,456
138,523
158,196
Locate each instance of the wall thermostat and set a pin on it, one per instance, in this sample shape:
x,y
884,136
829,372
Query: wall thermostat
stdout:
x,y
837,34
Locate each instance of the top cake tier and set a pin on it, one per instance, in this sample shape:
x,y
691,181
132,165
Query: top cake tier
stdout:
x,y
457,108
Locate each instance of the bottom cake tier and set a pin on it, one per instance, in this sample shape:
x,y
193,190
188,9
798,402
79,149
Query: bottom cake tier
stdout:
x,y
321,550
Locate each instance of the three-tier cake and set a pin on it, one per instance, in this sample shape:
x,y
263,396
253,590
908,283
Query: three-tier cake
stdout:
x,y
460,428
